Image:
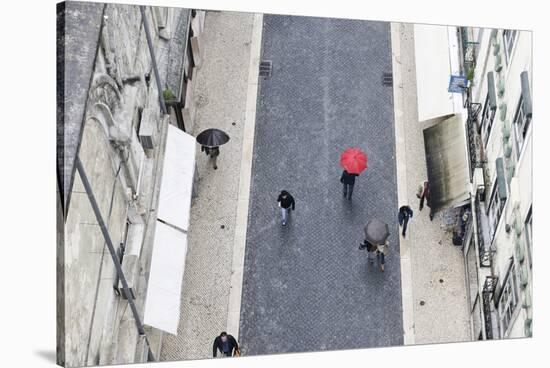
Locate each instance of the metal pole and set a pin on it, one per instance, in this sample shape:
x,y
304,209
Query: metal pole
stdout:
x,y
153,59
112,251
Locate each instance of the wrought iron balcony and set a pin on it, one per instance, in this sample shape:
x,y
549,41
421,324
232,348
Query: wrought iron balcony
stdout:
x,y
488,292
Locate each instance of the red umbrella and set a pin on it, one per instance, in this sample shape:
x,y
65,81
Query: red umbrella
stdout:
x,y
353,160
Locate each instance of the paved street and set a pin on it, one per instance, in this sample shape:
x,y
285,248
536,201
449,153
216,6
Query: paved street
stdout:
x,y
306,286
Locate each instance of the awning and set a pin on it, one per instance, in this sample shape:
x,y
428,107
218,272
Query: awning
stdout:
x,y
177,178
436,59
162,305
447,162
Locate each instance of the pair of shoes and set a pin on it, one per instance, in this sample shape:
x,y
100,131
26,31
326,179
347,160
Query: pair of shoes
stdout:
x,y
215,168
284,223
382,267
431,217
403,233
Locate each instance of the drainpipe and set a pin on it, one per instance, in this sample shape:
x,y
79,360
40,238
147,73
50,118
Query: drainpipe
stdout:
x,y
113,253
153,59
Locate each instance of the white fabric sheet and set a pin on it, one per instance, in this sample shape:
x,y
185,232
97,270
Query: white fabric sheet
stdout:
x,y
162,306
177,178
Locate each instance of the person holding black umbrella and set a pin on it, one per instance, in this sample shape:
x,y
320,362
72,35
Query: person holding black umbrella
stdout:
x,y
213,152
377,233
210,141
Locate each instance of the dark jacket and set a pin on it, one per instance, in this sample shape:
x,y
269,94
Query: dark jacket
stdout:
x,y
348,178
286,202
367,245
212,151
218,344
405,211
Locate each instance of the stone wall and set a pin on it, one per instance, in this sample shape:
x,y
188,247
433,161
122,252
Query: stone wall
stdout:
x,y
121,102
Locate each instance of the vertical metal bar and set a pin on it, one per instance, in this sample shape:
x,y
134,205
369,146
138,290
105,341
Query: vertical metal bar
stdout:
x,y
153,59
112,251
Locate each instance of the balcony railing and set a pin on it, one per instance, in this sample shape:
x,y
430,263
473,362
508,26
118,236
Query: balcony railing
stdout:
x,y
488,292
485,254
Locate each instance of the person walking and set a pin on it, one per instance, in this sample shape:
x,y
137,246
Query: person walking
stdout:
x,y
286,202
381,253
213,152
226,344
371,250
405,212
423,193
348,180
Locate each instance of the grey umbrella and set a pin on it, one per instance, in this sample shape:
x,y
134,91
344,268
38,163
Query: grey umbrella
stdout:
x,y
376,231
212,137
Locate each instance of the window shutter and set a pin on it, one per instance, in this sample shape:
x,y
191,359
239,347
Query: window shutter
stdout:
x,y
526,94
501,179
491,91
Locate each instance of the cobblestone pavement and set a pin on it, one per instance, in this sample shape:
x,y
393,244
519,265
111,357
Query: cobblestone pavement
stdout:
x,y
437,275
220,88
306,286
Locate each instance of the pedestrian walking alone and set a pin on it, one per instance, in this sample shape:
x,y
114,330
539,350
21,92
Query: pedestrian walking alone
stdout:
x,y
348,180
226,344
286,202
423,193
405,212
213,152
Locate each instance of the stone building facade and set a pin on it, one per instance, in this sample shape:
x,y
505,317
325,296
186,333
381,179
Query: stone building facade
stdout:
x,y
111,117
498,247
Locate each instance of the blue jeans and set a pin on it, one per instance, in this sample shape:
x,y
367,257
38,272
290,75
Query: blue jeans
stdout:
x,y
284,214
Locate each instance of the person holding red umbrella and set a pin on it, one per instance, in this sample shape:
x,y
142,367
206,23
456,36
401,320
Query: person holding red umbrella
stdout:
x,y
354,161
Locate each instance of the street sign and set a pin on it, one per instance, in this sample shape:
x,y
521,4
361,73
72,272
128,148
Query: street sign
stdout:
x,y
458,83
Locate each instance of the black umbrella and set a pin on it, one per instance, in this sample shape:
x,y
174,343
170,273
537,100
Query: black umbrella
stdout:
x,y
212,138
376,231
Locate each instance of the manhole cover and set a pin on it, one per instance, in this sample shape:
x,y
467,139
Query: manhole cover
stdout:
x,y
422,302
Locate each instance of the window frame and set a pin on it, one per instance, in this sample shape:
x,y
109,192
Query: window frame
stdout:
x,y
487,118
493,214
509,42
528,233
520,129
507,308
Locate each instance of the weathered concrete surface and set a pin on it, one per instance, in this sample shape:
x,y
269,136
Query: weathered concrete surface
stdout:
x,y
306,286
78,26
220,88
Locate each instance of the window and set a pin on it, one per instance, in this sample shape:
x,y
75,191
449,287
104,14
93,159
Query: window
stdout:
x,y
508,300
509,36
495,210
521,125
487,121
528,233
497,199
